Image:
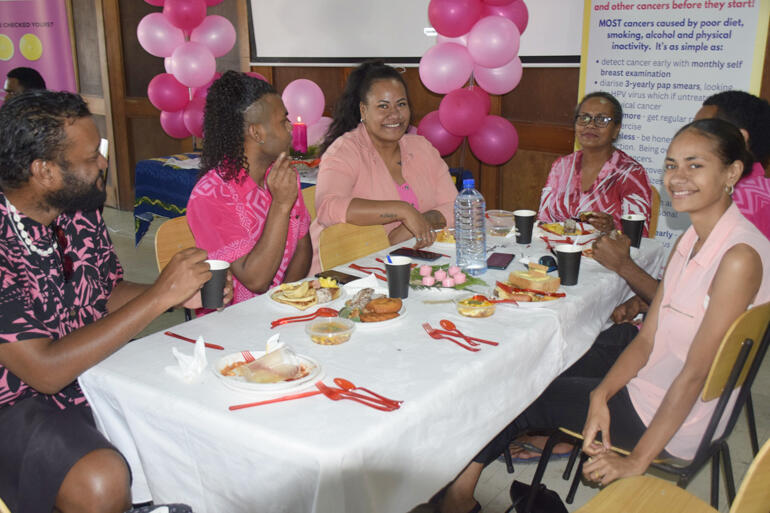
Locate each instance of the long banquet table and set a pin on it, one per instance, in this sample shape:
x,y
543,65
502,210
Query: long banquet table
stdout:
x,y
316,455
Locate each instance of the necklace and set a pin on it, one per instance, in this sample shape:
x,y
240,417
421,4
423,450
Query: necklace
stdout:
x,y
21,232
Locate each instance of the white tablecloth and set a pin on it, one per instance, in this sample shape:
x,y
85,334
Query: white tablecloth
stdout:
x,y
315,455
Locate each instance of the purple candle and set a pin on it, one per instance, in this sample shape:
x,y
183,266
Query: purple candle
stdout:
x,y
299,136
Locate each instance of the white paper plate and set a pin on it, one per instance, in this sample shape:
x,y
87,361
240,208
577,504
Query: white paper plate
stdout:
x,y
533,304
240,384
289,308
368,325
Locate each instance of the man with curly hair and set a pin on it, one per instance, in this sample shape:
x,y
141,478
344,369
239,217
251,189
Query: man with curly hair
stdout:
x,y
64,307
246,207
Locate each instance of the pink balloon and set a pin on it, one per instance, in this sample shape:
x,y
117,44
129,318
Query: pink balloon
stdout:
x,y
460,40
500,80
257,75
483,95
493,41
185,14
217,33
157,36
173,124
515,11
158,3
193,116
445,67
166,93
317,131
453,18
462,111
495,141
167,64
304,99
430,127
193,64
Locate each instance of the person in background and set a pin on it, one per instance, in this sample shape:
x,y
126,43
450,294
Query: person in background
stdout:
x,y
373,172
246,207
64,307
648,398
598,178
19,80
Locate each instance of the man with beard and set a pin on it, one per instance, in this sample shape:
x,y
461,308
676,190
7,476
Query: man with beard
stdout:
x,y
64,307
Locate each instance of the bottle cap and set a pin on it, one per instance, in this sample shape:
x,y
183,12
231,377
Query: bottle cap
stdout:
x,y
468,183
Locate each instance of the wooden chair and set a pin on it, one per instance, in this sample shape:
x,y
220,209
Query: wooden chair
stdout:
x,y
173,236
646,494
343,243
308,196
735,366
654,213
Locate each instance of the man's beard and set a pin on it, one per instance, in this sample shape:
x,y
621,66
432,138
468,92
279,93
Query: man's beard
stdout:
x,y
76,194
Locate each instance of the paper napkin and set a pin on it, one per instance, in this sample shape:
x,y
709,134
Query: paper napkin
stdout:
x,y
189,368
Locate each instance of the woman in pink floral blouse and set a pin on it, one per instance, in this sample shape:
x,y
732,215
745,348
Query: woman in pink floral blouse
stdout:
x,y
599,178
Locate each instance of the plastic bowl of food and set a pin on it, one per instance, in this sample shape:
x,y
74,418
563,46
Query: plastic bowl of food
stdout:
x,y
474,306
330,331
500,222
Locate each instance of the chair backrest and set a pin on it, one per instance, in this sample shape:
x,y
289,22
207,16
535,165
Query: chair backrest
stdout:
x,y
308,196
654,213
754,494
752,324
173,236
343,243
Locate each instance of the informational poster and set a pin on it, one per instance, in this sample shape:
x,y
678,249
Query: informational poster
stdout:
x,y
35,34
661,59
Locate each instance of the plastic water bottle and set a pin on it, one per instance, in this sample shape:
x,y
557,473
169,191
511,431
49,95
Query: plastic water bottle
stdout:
x,y
470,230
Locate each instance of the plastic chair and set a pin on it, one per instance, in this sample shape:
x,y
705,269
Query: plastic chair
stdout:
x,y
308,196
735,366
654,213
343,243
646,494
172,237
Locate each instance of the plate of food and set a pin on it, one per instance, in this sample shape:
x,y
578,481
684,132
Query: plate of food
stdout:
x,y
439,277
279,371
445,239
570,228
531,287
304,294
367,308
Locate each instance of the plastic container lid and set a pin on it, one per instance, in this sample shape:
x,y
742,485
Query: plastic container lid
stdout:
x,y
468,183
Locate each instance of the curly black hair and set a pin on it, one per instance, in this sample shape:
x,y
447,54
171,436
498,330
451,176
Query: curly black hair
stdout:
x,y
746,111
32,127
223,124
347,113
28,78
617,109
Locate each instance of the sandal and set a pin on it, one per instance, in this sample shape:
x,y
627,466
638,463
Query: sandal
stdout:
x,y
536,452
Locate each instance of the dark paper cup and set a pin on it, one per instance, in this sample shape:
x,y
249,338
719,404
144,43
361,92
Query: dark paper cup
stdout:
x,y
525,221
568,258
633,224
398,270
212,293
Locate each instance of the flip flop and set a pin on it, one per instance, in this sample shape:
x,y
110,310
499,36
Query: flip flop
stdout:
x,y
536,452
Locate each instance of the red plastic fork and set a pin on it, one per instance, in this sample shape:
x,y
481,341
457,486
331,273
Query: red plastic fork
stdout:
x,y
368,270
436,334
321,312
247,356
450,326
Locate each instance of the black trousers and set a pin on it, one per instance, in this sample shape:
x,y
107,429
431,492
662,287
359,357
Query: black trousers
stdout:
x,y
565,402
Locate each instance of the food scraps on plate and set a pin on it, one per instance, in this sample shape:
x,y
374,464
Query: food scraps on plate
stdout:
x,y
273,367
366,306
568,227
438,276
536,277
505,290
304,294
446,236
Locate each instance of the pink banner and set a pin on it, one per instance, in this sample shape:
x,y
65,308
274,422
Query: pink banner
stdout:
x,y
35,34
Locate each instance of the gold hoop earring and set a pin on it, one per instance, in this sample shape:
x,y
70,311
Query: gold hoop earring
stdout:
x,y
729,189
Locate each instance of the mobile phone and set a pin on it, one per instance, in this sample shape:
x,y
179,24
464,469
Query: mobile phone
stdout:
x,y
340,277
499,260
417,254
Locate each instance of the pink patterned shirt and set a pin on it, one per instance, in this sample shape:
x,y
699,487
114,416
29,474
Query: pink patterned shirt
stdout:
x,y
752,197
685,299
37,302
620,188
227,219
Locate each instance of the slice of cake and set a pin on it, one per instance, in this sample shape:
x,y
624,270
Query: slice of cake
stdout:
x,y
535,278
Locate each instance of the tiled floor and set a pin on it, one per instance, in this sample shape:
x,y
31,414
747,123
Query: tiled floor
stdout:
x,y
492,492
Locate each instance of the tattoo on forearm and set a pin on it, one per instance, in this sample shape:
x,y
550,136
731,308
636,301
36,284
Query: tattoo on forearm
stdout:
x,y
388,215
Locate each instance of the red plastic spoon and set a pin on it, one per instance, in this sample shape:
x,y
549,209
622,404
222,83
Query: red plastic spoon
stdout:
x,y
350,387
450,326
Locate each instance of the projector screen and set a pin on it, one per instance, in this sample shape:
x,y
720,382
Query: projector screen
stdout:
x,y
333,32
